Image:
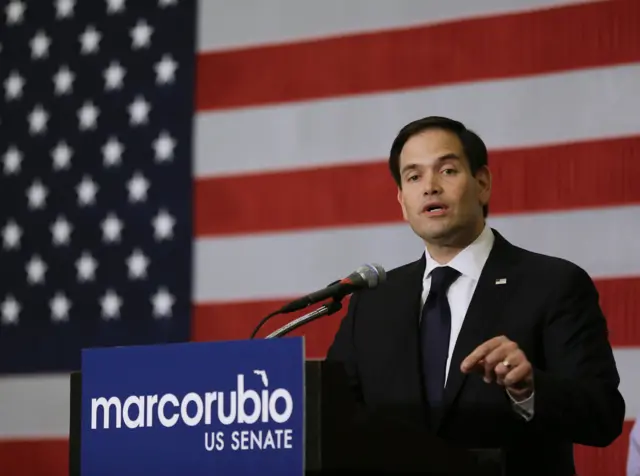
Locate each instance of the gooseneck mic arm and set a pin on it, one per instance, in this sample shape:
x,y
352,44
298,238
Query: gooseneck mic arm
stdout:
x,y
324,310
294,306
366,276
263,322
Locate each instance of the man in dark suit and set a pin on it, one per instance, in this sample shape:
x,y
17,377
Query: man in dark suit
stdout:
x,y
483,343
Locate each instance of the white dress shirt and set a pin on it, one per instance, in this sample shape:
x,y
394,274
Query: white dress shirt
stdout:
x,y
469,262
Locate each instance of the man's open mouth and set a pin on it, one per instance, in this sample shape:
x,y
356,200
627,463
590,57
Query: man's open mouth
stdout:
x,y
435,208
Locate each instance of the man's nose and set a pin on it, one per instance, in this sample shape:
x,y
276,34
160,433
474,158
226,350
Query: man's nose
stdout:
x,y
431,184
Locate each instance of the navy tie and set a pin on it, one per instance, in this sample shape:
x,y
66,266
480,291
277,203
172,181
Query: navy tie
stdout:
x,y
435,329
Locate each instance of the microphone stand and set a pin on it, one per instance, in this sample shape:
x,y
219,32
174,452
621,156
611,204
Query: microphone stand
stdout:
x,y
324,310
285,311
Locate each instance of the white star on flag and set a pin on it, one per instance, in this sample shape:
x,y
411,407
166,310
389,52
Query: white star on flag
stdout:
x,y
163,146
61,231
86,191
110,304
86,267
13,86
38,119
88,116
15,12
63,80
61,156
137,263
163,224
111,228
37,195
166,70
162,302
10,310
12,159
40,45
36,269
139,111
141,35
64,8
113,76
138,186
60,306
115,6
11,234
112,152
90,40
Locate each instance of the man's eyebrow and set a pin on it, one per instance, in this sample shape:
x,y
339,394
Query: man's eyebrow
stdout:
x,y
449,156
409,167
442,158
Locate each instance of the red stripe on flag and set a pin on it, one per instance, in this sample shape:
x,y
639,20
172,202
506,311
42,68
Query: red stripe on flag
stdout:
x,y
609,461
601,33
34,457
236,320
621,306
568,176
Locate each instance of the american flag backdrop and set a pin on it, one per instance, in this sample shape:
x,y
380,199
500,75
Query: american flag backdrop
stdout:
x,y
174,170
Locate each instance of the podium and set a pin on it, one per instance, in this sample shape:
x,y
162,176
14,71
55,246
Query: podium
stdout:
x,y
339,436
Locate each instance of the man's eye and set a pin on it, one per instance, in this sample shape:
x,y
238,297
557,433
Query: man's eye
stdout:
x,y
449,171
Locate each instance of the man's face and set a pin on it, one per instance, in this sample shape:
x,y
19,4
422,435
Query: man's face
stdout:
x,y
440,198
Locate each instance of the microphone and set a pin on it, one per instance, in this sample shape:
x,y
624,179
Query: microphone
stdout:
x,y
366,276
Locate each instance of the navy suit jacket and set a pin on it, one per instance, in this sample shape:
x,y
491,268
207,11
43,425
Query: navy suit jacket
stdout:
x,y
549,306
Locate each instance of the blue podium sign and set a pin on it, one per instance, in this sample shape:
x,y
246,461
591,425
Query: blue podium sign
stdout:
x,y
214,408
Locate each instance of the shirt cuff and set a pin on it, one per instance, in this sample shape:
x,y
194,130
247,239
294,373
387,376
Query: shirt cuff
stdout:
x,y
525,407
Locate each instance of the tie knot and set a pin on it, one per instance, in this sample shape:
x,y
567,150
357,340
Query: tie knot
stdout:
x,y
442,277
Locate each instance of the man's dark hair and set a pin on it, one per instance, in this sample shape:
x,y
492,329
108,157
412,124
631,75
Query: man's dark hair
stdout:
x,y
474,148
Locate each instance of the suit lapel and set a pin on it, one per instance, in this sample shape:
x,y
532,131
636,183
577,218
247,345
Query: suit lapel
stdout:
x,y
403,303
483,315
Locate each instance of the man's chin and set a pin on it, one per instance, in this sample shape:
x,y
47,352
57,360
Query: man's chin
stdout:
x,y
440,235
451,235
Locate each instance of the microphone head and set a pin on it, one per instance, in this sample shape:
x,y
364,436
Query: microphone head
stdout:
x,y
372,274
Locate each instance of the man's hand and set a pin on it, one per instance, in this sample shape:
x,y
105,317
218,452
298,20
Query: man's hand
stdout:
x,y
501,359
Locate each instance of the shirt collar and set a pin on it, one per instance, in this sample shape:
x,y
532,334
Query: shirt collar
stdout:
x,y
470,261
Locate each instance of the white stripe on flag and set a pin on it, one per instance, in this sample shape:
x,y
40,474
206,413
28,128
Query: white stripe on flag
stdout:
x,y
253,22
34,406
265,266
587,104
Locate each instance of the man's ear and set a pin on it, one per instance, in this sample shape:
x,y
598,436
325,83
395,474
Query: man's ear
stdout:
x,y
484,179
401,202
